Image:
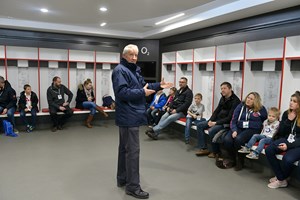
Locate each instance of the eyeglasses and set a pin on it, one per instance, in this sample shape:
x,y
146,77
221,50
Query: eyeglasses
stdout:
x,y
181,81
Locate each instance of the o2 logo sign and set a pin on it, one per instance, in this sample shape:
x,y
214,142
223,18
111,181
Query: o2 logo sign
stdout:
x,y
145,51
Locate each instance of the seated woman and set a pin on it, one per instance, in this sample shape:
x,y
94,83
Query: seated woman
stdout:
x,y
156,105
289,142
247,120
28,104
85,99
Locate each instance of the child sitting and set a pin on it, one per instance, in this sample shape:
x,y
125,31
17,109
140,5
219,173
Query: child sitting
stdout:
x,y
194,115
270,128
28,103
156,105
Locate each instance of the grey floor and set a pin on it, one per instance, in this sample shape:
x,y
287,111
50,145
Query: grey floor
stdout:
x,y
80,164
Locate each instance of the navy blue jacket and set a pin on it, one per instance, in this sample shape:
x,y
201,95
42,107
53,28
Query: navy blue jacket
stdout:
x,y
242,114
161,101
129,94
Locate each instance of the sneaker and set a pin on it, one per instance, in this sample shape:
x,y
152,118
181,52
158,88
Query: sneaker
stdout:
x,y
271,180
252,155
16,130
31,128
187,141
28,129
54,129
244,149
278,184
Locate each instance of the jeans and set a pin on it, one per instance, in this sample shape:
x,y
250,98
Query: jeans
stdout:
x,y
10,115
212,131
151,115
234,144
165,120
284,170
91,106
128,158
33,117
263,140
188,125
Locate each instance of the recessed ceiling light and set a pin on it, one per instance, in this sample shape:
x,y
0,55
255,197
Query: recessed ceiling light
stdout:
x,y
44,10
103,9
103,24
169,19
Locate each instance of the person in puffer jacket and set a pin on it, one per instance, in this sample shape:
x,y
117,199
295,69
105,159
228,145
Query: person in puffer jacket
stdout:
x,y
156,105
247,120
130,91
8,101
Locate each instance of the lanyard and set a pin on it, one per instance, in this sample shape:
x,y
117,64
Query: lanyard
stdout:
x,y
248,113
293,127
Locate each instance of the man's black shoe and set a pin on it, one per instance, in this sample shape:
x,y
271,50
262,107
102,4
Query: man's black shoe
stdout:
x,y
54,129
139,194
59,127
120,184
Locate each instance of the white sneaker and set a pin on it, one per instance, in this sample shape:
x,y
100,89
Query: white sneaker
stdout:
x,y
278,184
273,179
252,155
244,150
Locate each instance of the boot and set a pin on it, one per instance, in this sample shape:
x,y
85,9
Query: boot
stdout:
x,y
99,109
89,120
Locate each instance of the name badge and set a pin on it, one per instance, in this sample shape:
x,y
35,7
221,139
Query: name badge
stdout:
x,y
59,96
246,124
291,138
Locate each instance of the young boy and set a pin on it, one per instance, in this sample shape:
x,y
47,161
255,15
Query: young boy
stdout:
x,y
156,105
194,114
270,128
28,104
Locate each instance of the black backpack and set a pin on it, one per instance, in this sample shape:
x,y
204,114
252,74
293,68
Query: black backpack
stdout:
x,y
108,101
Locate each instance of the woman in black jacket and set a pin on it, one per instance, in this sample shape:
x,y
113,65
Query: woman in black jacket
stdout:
x,y
289,142
85,99
28,104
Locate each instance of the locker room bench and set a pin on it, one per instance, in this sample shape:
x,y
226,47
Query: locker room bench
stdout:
x,y
45,112
182,121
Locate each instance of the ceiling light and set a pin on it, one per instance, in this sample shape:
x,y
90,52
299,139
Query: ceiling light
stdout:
x,y
168,19
44,10
103,9
103,24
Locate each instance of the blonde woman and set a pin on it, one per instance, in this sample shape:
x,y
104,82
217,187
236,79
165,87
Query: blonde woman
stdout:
x,y
247,120
289,142
85,99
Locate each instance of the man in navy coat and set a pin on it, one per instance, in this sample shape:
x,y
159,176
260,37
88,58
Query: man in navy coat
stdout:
x,y
130,91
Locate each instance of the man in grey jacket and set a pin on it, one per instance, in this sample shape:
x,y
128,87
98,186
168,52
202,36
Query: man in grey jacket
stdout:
x,y
57,103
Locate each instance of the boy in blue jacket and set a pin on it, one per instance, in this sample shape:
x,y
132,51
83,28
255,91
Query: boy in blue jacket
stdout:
x,y
156,105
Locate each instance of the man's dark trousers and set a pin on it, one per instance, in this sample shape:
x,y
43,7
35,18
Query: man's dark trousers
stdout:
x,y
128,159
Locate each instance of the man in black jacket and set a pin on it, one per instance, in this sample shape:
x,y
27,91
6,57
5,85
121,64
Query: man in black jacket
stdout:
x,y
56,101
8,101
221,117
176,110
